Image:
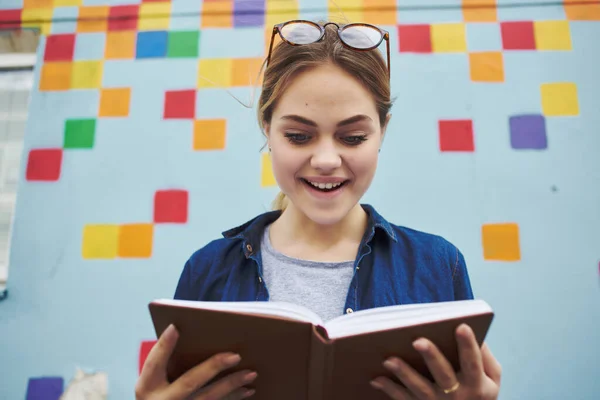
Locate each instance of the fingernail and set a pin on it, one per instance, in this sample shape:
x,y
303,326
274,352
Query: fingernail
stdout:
x,y
170,332
249,392
233,359
390,364
376,384
421,345
249,377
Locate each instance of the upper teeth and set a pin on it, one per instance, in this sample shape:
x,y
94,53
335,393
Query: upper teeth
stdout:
x,y
325,185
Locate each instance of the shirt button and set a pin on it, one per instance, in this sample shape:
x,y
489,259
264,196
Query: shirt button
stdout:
x,y
349,311
249,248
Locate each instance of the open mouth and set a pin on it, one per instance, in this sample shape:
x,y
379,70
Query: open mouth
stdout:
x,y
324,187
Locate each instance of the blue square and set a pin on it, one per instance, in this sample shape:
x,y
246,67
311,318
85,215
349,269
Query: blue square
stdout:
x,y
484,36
151,44
65,20
46,388
89,46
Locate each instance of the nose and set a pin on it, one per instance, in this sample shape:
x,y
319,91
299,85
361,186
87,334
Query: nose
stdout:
x,y
326,158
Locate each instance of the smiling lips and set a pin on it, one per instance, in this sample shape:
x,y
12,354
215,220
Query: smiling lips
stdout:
x,y
325,184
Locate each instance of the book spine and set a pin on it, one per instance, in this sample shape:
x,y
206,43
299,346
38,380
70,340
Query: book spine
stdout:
x,y
318,365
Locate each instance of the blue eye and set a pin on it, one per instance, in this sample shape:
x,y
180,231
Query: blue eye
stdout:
x,y
355,140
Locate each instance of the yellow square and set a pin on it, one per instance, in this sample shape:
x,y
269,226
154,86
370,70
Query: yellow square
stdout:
x,y
559,99
448,38
55,76
552,35
347,11
154,16
209,134
100,241
266,175
114,102
30,18
37,3
501,242
214,72
67,3
135,240
86,75
278,11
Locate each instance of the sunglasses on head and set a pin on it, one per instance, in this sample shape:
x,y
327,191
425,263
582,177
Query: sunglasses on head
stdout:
x,y
356,36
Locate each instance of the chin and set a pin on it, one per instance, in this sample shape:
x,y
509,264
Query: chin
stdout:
x,y
326,215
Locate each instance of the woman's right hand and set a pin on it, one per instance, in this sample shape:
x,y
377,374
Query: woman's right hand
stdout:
x,y
153,385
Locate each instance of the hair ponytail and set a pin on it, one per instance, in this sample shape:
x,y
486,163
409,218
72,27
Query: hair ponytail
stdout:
x,y
280,202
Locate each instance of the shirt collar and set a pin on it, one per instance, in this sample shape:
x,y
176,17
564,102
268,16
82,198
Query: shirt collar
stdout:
x,y
252,230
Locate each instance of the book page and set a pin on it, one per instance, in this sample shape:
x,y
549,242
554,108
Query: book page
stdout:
x,y
265,308
391,317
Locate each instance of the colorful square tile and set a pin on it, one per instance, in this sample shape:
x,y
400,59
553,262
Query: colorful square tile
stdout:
x,y
552,35
114,102
55,76
59,47
123,18
214,73
456,136
248,13
183,44
155,16
528,132
151,44
120,45
217,14
135,240
44,165
414,38
79,133
171,206
486,66
267,179
100,241
44,388
479,10
448,38
87,75
93,19
11,19
559,99
209,134
517,35
501,242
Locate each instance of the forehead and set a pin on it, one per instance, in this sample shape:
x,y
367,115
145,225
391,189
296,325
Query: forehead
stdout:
x,y
324,93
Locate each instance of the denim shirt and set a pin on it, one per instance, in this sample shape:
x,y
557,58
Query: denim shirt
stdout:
x,y
394,265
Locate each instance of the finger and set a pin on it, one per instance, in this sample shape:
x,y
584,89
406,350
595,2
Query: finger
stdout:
x,y
471,363
155,366
201,374
419,386
441,369
491,366
394,391
230,387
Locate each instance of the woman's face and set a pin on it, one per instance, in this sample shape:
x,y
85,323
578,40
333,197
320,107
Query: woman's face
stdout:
x,y
325,137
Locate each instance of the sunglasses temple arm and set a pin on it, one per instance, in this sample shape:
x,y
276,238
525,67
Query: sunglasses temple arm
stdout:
x,y
271,45
387,42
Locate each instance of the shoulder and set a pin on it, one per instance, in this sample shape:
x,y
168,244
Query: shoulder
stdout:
x,y
421,241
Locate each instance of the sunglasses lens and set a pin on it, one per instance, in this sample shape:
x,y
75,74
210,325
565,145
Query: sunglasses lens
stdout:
x,y
361,37
301,32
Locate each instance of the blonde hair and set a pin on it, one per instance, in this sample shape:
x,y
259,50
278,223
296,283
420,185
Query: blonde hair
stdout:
x,y
368,67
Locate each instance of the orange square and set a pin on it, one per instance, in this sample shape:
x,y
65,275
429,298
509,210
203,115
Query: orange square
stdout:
x,y
501,242
114,102
209,134
120,45
487,66
379,12
135,240
92,19
479,10
217,14
245,72
38,4
56,76
582,10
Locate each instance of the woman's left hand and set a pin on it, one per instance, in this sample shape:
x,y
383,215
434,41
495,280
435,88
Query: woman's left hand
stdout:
x,y
479,377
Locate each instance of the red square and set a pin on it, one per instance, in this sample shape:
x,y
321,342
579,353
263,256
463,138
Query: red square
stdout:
x,y
414,38
10,19
44,165
517,35
60,47
123,18
180,104
145,348
170,206
456,135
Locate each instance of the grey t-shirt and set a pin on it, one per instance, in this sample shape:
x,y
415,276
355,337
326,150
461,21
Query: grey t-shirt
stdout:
x,y
319,286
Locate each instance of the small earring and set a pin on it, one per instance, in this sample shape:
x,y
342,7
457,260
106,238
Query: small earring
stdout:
x,y
379,151
269,149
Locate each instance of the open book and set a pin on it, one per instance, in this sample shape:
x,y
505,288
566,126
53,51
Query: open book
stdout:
x,y
298,356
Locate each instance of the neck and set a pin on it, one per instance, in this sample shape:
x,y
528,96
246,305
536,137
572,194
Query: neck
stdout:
x,y
294,226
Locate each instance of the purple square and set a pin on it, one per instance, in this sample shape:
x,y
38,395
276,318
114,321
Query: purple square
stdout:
x,y
47,388
248,13
528,132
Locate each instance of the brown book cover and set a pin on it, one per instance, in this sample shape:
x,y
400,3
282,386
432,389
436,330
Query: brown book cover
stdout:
x,y
297,360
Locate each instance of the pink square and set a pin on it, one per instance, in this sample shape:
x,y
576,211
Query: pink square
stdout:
x,y
60,47
180,104
414,38
44,165
123,18
456,135
517,35
171,206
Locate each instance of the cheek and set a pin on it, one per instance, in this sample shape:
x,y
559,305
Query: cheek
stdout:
x,y
363,166
285,163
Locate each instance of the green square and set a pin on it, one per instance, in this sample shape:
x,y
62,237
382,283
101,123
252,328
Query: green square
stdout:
x,y
183,44
79,133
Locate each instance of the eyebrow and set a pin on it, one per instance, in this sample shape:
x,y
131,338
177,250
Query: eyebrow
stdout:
x,y
347,121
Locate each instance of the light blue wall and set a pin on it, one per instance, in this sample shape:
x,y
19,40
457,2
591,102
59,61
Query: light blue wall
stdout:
x,y
65,311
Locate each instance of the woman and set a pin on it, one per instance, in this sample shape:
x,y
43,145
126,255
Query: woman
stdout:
x,y
324,109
